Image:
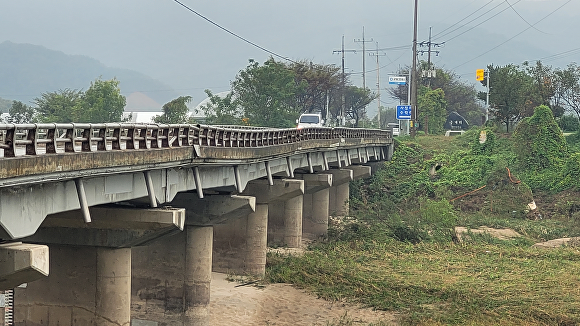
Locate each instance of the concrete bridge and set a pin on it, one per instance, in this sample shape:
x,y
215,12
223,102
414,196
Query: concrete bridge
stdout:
x,y
132,219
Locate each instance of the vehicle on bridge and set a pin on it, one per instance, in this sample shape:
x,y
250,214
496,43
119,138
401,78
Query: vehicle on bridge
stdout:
x,y
310,120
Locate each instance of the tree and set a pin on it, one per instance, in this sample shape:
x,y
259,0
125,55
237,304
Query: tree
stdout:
x,y
174,111
21,113
267,94
432,109
101,103
58,106
316,83
508,93
221,110
567,88
356,100
543,88
539,142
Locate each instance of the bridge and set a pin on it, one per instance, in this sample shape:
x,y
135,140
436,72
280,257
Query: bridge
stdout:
x,y
122,224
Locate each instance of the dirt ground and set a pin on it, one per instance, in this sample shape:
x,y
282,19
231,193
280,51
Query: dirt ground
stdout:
x,y
281,304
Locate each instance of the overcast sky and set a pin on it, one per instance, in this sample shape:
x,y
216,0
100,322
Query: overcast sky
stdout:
x,y
164,40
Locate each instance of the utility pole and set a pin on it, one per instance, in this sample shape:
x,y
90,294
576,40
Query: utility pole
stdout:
x,y
378,83
487,98
430,73
342,108
363,55
414,78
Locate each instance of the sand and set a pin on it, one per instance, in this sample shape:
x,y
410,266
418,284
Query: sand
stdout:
x,y
281,304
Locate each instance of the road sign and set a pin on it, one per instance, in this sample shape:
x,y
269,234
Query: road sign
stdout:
x,y
403,112
479,74
397,80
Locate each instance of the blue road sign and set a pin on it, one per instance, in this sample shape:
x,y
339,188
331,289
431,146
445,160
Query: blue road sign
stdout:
x,y
403,112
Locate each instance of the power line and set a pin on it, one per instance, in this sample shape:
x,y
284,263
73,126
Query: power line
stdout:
x,y
517,13
558,55
486,20
234,34
464,18
511,38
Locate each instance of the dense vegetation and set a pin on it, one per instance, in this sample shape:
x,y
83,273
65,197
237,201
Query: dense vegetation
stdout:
x,y
400,251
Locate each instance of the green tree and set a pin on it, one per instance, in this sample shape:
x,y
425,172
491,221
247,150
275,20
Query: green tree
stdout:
x,y
539,143
174,111
101,103
543,86
21,113
267,94
567,88
356,100
58,106
432,109
508,92
316,83
221,110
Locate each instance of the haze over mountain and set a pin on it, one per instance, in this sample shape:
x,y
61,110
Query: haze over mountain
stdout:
x,y
27,71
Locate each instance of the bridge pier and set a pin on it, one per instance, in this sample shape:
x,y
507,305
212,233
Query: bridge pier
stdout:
x,y
90,277
339,191
316,204
86,286
172,276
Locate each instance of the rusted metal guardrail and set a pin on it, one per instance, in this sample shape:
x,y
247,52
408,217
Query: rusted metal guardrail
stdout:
x,y
71,137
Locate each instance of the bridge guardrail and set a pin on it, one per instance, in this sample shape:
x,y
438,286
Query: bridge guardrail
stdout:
x,y
54,138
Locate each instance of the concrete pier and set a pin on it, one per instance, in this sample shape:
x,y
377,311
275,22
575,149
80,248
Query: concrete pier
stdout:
x,y
316,205
339,192
86,286
198,260
171,279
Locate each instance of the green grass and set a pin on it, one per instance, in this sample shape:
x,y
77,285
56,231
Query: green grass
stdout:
x,y
449,284
400,254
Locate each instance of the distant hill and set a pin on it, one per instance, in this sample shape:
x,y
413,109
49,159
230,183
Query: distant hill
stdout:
x,y
27,70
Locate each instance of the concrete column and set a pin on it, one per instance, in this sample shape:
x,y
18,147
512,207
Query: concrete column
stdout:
x,y
257,241
315,214
86,286
171,279
316,204
293,221
198,259
339,192
113,287
240,245
338,201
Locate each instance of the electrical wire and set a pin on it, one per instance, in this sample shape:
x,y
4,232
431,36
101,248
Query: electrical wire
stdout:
x,y
517,13
234,34
464,18
558,55
511,38
486,20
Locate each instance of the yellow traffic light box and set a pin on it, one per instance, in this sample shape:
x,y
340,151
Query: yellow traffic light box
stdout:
x,y
479,74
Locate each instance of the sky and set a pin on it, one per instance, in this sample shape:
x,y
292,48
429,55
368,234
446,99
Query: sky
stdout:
x,y
205,47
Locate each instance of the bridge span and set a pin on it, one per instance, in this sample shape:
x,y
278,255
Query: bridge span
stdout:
x,y
133,218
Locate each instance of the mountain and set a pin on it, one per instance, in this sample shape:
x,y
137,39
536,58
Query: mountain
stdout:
x,y
27,71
